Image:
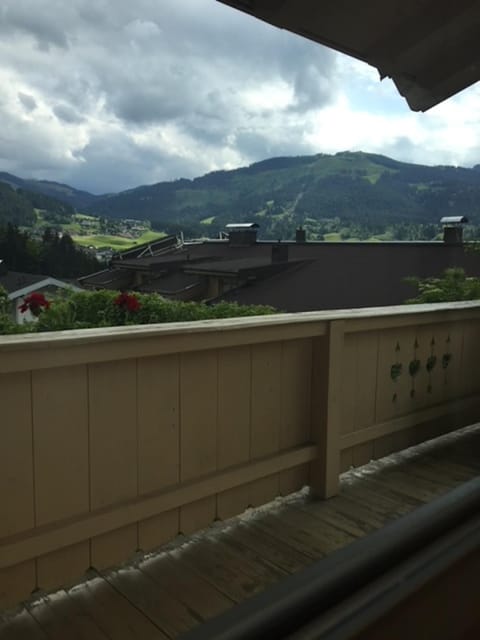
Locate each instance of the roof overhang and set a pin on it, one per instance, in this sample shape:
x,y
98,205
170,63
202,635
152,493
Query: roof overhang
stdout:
x,y
430,48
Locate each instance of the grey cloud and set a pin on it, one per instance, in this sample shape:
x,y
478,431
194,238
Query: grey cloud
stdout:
x,y
27,101
67,113
121,70
39,22
255,146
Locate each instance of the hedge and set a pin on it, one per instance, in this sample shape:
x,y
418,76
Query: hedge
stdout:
x,y
87,309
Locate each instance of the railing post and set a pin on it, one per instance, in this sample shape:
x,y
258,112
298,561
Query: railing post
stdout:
x,y
326,409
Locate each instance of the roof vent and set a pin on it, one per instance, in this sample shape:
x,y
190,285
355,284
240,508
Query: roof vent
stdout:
x,y
242,234
452,229
300,235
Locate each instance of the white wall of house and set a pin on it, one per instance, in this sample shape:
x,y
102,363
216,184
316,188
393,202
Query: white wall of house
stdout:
x,y
49,285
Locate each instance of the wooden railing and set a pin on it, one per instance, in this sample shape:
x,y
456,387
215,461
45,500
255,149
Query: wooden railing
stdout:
x,y
114,440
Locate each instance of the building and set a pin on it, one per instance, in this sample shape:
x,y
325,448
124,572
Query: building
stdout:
x,y
290,276
18,285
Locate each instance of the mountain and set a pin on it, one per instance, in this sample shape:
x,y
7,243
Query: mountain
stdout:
x,y
280,193
63,192
17,206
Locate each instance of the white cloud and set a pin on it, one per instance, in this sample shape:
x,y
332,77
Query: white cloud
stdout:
x,y
111,94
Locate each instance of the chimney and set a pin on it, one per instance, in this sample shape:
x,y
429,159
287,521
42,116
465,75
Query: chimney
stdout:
x,y
452,229
279,253
300,235
242,234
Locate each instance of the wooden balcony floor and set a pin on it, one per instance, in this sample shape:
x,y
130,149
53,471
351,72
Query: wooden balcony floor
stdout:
x,y
198,577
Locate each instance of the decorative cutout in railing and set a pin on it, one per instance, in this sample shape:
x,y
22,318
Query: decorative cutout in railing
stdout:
x,y
415,365
396,370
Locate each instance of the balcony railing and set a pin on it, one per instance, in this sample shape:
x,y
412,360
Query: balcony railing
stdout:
x,y
114,440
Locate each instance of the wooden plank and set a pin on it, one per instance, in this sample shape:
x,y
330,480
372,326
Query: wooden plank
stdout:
x,y
366,372
113,452
235,586
187,586
16,454
327,401
108,344
469,371
415,419
113,432
60,430
418,488
58,535
234,407
325,512
274,551
235,577
380,499
439,478
157,531
297,538
255,559
64,567
295,479
361,513
397,491
393,317
458,472
198,401
265,417
21,626
167,613
197,515
349,383
117,343
17,583
296,416
158,423
346,459
158,442
113,613
362,454
329,537
114,548
295,395
60,618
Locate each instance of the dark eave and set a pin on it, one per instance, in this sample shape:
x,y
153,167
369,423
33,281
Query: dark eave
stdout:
x,y
430,48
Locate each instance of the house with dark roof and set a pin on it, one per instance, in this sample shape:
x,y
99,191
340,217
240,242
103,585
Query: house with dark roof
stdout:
x,y
290,276
18,285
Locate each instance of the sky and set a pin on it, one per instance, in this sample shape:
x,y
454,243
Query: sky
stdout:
x,y
106,95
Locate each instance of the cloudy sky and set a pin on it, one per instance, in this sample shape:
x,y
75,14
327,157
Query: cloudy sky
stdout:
x,y
109,94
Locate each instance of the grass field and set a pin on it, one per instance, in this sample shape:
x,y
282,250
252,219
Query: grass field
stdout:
x,y
207,220
116,242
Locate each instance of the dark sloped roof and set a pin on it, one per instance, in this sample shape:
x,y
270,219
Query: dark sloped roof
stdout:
x,y
15,280
169,284
430,48
108,279
227,266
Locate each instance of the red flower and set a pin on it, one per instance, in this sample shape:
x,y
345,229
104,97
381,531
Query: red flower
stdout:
x,y
127,302
35,303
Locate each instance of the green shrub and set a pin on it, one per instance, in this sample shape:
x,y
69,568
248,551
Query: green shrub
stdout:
x,y
87,309
451,286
